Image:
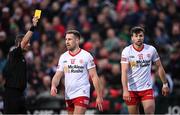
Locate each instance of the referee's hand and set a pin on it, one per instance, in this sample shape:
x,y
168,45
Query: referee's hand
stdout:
x,y
53,91
35,21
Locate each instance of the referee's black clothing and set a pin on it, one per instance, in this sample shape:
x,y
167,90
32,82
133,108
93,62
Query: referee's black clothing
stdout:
x,y
16,79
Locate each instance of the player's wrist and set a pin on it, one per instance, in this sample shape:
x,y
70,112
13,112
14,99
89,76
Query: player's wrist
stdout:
x,y
165,85
32,28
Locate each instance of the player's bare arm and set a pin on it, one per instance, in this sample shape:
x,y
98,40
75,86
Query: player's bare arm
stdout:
x,y
162,75
55,82
29,34
98,87
124,80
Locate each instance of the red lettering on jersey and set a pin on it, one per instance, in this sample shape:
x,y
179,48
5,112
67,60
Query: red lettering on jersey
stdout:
x,y
72,61
140,56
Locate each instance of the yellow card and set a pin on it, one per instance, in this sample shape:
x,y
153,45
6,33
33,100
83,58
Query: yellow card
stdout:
x,y
37,13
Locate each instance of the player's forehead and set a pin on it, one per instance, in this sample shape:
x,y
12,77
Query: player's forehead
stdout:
x,y
69,35
138,33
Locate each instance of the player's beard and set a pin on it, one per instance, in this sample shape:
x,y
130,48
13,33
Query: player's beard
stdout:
x,y
71,48
139,43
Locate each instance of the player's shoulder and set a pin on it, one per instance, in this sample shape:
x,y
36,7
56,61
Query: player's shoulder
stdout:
x,y
64,54
127,48
85,52
147,46
14,48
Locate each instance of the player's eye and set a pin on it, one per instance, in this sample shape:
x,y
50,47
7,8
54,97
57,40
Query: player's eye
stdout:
x,y
141,35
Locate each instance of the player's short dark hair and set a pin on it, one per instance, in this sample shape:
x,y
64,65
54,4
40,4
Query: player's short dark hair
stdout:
x,y
136,29
19,38
75,32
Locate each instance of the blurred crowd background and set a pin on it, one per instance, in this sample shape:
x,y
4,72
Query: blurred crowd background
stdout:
x,y
104,25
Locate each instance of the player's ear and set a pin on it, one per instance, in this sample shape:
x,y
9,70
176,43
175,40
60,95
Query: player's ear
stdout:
x,y
18,43
131,39
77,39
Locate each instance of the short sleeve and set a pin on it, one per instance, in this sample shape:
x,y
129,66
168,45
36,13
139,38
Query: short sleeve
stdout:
x,y
155,55
124,56
90,62
60,64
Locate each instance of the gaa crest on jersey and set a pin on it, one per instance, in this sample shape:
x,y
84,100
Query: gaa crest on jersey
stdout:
x,y
72,61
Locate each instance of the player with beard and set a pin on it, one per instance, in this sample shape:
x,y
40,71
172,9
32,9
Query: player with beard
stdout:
x,y
77,65
136,62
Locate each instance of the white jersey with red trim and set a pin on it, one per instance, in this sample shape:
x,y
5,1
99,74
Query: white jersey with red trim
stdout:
x,y
75,68
139,72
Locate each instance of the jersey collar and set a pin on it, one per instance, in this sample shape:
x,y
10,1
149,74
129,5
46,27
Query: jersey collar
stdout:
x,y
138,49
70,53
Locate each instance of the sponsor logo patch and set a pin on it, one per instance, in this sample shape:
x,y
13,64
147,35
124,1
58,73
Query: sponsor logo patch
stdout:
x,y
81,61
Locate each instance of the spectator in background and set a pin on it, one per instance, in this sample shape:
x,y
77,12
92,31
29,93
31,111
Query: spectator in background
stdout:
x,y
2,61
112,41
5,16
57,26
161,38
77,65
173,68
15,74
4,42
136,61
175,32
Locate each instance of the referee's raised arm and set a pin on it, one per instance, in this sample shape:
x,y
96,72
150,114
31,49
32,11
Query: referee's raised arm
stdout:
x,y
29,34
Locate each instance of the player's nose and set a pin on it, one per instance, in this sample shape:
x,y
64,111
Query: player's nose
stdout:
x,y
139,38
